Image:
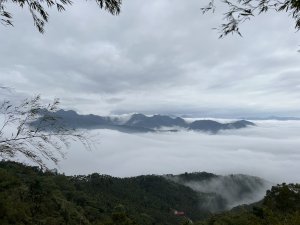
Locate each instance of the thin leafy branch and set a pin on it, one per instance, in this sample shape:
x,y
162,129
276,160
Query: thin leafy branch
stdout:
x,y
30,129
38,9
239,11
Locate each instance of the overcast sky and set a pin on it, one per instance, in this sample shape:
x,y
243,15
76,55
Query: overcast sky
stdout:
x,y
158,56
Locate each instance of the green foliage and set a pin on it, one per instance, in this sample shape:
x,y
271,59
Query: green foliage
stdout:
x,y
283,198
281,205
30,195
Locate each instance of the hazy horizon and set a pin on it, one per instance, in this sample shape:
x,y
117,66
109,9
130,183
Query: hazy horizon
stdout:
x,y
268,150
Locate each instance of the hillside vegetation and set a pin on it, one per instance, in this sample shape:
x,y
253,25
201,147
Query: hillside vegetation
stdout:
x,y
280,206
29,195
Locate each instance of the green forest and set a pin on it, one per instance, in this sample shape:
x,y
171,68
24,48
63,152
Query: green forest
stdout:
x,y
30,195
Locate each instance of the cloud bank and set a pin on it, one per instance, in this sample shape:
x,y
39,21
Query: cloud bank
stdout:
x,y
269,150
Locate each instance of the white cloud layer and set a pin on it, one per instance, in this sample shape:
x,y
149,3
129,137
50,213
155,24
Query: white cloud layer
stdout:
x,y
270,151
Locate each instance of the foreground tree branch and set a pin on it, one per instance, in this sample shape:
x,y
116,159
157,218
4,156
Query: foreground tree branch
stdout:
x,y
239,11
45,140
38,9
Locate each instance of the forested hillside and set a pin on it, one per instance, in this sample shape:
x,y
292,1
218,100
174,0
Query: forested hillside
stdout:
x,y
280,206
29,195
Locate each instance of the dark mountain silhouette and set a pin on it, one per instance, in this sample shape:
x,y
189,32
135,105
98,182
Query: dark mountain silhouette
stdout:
x,y
139,123
72,118
214,126
156,121
205,125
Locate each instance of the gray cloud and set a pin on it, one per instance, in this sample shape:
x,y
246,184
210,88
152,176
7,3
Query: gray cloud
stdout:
x,y
158,56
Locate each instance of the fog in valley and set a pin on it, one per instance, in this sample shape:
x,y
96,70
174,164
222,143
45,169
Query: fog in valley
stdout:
x,y
269,150
234,189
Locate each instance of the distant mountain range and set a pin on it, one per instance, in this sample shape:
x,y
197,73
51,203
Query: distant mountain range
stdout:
x,y
141,123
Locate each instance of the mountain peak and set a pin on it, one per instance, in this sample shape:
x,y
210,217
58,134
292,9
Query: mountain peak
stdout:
x,y
139,122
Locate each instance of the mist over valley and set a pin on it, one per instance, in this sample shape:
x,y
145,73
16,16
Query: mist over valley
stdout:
x,y
268,150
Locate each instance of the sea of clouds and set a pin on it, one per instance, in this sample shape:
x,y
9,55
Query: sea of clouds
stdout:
x,y
270,150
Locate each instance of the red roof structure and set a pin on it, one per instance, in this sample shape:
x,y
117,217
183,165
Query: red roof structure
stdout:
x,y
178,213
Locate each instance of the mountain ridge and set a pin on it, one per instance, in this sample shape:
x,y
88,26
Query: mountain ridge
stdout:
x,y
140,123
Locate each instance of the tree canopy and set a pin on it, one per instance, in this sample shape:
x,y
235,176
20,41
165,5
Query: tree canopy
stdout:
x,y
29,195
38,9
